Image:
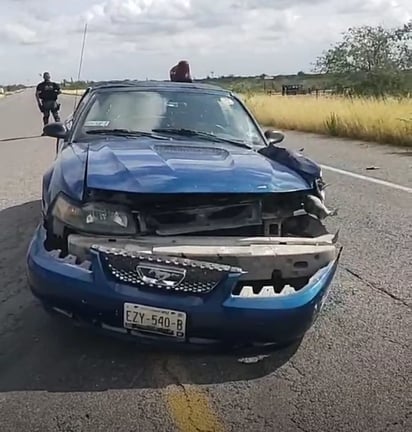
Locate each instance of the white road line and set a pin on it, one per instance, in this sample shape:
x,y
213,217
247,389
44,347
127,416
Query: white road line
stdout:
x,y
369,179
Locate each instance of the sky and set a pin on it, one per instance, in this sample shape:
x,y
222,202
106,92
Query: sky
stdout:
x,y
139,39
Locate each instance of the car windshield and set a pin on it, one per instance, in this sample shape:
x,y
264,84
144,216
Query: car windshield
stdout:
x,y
175,114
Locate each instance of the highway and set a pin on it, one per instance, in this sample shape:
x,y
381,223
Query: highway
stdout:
x,y
352,372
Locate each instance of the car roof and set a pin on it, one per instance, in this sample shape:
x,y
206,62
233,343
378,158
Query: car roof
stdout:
x,y
158,85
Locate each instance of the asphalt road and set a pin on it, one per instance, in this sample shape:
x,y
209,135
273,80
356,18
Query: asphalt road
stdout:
x,y
352,372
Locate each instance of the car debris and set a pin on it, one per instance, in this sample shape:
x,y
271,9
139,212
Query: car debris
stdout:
x,y
253,360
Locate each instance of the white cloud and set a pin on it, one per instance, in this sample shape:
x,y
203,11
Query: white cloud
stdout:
x,y
14,32
389,11
143,38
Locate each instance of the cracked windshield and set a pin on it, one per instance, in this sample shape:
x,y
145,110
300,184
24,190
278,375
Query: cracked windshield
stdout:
x,y
170,111
205,216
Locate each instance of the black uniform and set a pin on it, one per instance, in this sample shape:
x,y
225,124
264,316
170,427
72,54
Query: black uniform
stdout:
x,y
48,93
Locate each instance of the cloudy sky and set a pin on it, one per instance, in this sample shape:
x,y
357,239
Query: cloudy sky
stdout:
x,y
144,38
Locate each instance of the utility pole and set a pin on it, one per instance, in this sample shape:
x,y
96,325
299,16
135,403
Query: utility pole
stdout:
x,y
81,62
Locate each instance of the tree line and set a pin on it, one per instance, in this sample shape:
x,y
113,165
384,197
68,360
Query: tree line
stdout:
x,y
12,87
371,61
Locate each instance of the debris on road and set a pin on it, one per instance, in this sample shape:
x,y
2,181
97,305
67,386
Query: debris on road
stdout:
x,y
251,360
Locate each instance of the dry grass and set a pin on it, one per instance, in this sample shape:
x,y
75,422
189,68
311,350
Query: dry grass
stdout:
x,y
388,121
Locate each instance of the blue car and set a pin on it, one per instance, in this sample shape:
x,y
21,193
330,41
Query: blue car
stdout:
x,y
170,216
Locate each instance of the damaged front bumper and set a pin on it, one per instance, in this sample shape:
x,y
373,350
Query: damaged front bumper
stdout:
x,y
222,286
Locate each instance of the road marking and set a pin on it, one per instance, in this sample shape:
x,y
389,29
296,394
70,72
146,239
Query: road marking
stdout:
x,y
191,410
369,179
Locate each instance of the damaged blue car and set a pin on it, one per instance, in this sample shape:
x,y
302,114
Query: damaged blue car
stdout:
x,y
170,215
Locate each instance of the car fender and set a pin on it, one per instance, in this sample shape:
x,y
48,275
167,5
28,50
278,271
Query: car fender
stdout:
x,y
66,175
304,166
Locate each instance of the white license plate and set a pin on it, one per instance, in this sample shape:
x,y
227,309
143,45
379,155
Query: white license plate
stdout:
x,y
154,320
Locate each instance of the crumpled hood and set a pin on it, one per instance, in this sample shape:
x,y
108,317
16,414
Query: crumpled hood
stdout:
x,y
146,166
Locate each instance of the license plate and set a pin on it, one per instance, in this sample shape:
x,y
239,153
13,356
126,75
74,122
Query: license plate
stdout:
x,y
154,320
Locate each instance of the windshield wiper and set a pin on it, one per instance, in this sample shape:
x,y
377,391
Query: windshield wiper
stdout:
x,y
206,135
124,132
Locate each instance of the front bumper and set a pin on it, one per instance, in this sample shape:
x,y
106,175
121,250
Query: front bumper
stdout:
x,y
87,293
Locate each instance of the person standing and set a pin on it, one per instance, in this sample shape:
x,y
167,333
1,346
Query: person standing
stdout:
x,y
47,93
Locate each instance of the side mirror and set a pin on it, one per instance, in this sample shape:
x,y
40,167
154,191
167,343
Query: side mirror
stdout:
x,y
274,137
55,130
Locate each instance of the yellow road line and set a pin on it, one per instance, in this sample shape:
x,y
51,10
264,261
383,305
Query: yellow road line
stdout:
x,y
191,410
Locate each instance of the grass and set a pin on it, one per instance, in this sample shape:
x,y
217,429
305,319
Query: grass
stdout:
x,y
385,121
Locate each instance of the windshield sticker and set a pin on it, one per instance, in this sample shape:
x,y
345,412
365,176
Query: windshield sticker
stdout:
x,y
97,123
175,104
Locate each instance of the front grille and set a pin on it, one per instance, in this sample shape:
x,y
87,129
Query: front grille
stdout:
x,y
156,272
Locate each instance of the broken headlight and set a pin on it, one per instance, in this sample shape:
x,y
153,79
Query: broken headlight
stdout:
x,y
97,218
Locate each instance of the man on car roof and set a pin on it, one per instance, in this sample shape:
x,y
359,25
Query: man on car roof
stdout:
x,y
181,72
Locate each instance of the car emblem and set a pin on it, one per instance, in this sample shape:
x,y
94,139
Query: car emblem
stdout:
x,y
161,276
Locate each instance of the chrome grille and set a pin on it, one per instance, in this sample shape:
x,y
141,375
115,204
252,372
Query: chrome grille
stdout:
x,y
161,272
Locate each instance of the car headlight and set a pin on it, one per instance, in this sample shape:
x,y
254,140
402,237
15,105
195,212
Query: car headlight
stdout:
x,y
98,218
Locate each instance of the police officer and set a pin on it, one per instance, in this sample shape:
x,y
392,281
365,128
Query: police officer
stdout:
x,y
47,93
